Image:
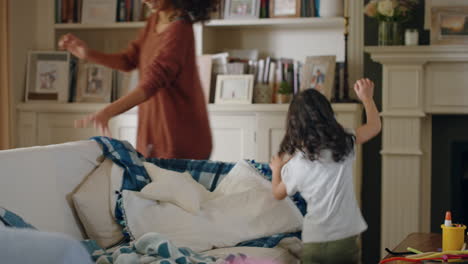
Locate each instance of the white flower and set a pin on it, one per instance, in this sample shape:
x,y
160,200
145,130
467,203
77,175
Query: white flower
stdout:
x,y
385,7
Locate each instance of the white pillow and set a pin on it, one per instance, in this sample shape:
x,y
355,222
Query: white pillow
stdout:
x,y
241,208
174,187
92,204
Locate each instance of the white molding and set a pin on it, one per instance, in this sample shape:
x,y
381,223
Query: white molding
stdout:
x,y
355,41
117,25
92,107
417,54
400,152
403,113
303,22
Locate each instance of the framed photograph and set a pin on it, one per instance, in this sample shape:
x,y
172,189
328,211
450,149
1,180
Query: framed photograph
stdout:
x,y
319,73
285,8
99,11
234,89
94,83
449,26
125,82
242,9
48,75
204,64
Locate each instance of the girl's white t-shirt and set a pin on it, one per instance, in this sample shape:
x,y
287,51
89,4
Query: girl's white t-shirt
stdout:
x,y
327,186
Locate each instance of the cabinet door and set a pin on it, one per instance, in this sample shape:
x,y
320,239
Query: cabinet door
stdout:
x,y
270,133
59,128
233,137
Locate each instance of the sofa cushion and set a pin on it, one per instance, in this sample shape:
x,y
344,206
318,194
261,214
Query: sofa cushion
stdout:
x,y
92,203
166,182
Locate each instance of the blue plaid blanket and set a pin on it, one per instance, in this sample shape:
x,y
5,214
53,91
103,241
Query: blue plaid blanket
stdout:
x,y
208,173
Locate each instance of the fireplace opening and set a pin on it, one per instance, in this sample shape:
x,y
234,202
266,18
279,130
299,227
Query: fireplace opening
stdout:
x,y
449,169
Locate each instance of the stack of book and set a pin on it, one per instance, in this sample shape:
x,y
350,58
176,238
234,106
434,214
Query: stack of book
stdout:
x,y
89,11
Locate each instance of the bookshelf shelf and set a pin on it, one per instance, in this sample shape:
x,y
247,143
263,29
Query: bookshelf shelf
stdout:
x,y
314,22
334,22
117,25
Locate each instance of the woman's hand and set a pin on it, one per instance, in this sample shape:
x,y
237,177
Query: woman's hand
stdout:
x,y
74,45
364,89
100,121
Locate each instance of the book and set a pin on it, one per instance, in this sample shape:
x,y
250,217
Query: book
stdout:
x,y
64,11
260,72
137,7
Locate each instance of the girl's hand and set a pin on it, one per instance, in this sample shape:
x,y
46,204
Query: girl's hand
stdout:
x,y
99,120
74,45
277,163
364,89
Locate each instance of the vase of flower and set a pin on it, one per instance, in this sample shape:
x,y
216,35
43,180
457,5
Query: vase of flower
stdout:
x,y
390,33
391,14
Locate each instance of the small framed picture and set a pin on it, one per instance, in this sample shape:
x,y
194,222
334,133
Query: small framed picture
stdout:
x,y
319,73
285,8
234,89
449,25
99,11
242,9
48,76
94,83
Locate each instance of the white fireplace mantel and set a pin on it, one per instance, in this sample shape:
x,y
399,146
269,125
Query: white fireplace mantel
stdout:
x,y
418,81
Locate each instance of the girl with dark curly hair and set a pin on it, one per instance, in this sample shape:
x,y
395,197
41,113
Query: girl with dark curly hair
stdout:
x,y
172,112
316,159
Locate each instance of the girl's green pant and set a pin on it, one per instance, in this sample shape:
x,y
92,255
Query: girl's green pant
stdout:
x,y
343,251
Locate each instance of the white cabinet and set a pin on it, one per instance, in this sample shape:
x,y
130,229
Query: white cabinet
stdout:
x,y
56,128
233,137
124,127
270,133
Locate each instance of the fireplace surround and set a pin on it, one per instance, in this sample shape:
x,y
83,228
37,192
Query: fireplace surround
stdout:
x,y
418,82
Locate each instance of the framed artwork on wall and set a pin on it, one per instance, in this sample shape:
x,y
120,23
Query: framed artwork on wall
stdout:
x,y
449,25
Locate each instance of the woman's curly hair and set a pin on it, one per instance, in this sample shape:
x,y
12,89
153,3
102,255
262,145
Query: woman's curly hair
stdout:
x,y
312,127
197,10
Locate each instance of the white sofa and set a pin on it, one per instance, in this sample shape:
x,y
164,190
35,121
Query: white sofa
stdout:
x,y
36,181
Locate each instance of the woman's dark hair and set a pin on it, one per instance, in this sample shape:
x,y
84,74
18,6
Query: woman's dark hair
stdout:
x,y
197,10
311,127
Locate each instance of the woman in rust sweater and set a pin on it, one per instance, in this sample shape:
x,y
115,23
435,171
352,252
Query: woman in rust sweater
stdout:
x,y
172,116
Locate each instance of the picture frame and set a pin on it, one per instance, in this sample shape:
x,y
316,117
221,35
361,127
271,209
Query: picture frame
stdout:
x,y
126,82
319,73
205,65
98,11
449,25
94,83
234,89
428,4
242,9
48,76
285,8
